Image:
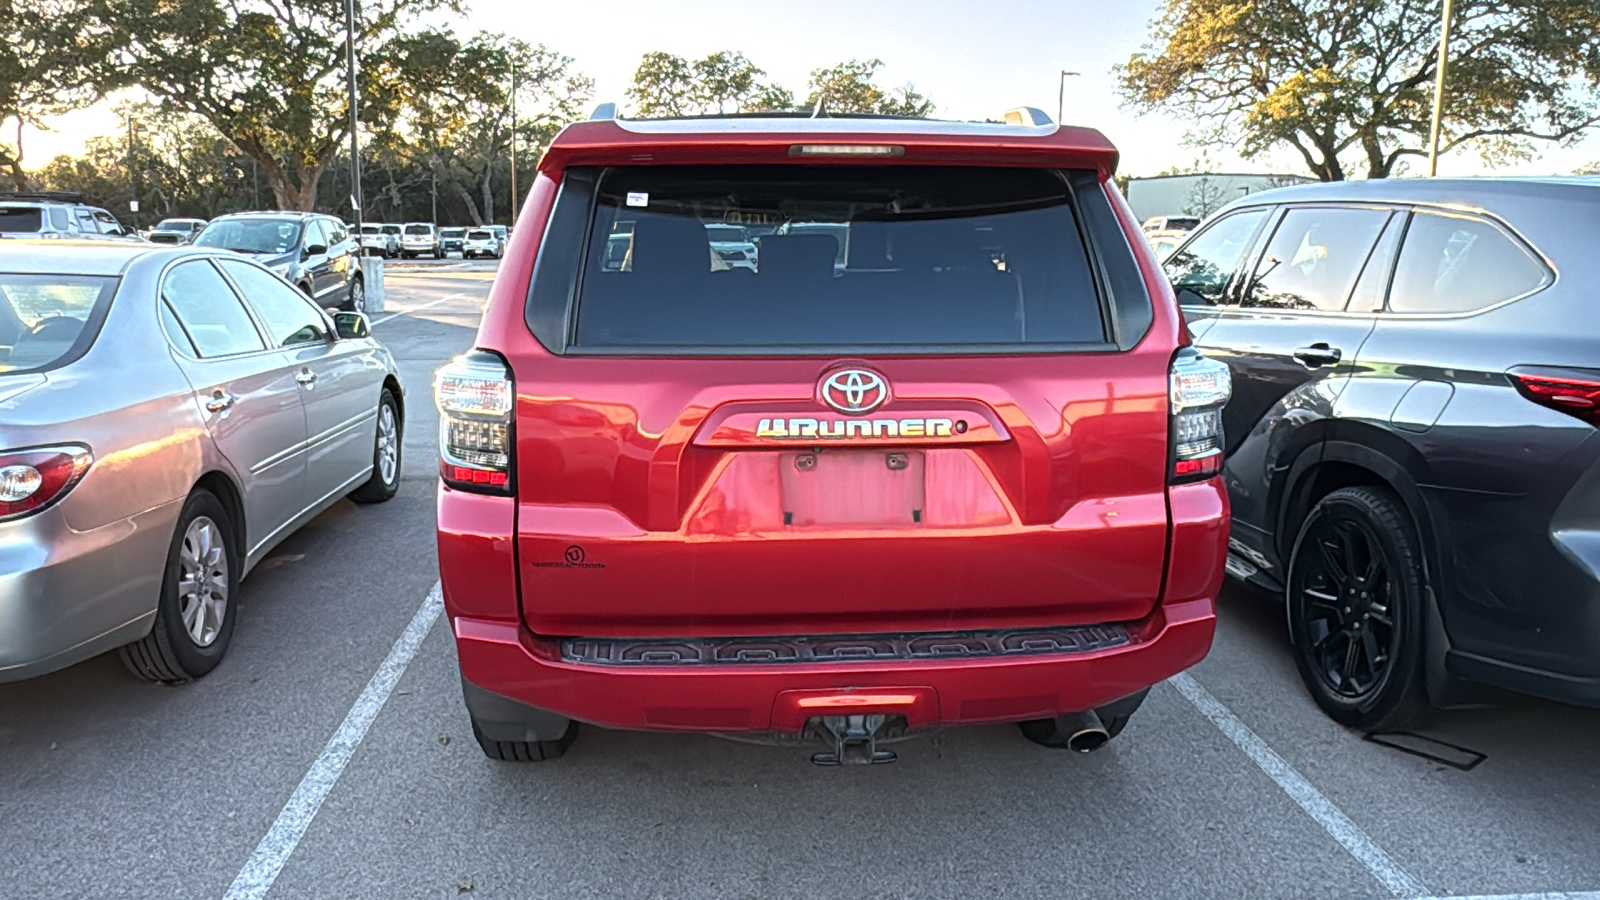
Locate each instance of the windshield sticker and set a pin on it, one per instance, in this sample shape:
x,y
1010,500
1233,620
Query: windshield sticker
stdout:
x,y
638,198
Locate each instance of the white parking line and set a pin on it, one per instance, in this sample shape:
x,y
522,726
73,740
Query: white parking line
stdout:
x,y
1548,895
404,312
1333,820
258,874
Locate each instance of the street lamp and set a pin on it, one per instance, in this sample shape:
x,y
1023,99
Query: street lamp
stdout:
x,y
1438,88
1061,95
513,143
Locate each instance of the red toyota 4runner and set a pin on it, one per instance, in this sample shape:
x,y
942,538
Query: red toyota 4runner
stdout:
x,y
839,427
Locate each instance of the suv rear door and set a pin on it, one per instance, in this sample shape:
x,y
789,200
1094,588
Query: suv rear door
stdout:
x,y
954,429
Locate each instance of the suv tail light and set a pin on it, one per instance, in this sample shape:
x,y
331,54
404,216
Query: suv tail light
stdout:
x,y
31,480
476,399
1198,388
1575,392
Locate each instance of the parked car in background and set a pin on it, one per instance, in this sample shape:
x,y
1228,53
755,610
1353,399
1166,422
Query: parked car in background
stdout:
x,y
175,231
171,415
58,214
313,252
1162,243
1412,445
450,240
1181,224
480,242
732,247
503,233
417,238
970,476
382,239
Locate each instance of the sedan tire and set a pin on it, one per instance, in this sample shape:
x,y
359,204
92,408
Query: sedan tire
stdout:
x,y
385,480
1355,604
195,613
358,297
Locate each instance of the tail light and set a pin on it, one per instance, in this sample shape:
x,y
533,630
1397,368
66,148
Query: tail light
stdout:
x,y
1575,392
1198,389
476,399
31,480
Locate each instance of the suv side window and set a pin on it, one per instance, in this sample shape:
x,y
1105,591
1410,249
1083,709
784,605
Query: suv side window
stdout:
x,y
290,317
1200,272
313,235
86,222
335,231
208,316
59,220
108,222
1314,258
1457,264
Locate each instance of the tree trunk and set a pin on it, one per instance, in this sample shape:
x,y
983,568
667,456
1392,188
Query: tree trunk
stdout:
x,y
488,192
472,205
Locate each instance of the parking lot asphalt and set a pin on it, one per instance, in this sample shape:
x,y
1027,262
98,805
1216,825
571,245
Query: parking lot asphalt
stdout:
x,y
1228,783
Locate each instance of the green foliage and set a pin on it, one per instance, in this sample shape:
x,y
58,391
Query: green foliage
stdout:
x,y
849,88
1345,80
51,61
722,82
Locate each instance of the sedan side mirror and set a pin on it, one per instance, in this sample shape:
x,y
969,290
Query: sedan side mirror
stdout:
x,y
351,325
314,250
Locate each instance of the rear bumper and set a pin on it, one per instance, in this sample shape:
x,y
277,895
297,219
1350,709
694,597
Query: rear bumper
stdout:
x,y
505,660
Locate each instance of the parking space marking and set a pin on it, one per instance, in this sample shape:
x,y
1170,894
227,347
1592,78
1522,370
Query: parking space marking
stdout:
x,y
1548,895
259,873
404,312
1333,820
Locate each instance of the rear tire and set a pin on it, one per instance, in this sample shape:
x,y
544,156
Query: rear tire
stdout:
x,y
201,582
385,480
358,296
526,751
1355,606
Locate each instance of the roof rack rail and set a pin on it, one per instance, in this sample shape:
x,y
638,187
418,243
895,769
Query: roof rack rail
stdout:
x,y
50,196
1026,115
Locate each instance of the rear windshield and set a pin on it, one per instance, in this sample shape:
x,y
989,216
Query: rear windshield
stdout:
x,y
843,256
48,320
21,219
417,229
451,232
371,229
391,229
480,235
272,236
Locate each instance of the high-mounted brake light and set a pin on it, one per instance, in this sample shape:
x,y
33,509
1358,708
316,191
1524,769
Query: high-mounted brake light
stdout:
x,y
31,480
1575,392
1198,388
846,150
476,399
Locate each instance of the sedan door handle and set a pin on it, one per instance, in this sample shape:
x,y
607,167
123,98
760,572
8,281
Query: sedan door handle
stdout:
x,y
1318,354
306,377
219,402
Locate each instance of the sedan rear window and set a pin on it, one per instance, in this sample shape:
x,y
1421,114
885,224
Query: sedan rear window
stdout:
x,y
480,235
418,229
21,219
899,257
49,320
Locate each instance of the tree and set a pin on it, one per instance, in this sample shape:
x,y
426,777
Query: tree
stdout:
x,y
1205,197
268,74
848,88
722,82
1347,80
50,55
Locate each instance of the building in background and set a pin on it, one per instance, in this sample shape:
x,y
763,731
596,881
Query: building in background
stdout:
x,y
1198,194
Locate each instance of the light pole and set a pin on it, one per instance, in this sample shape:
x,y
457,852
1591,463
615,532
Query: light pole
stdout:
x,y
1438,88
355,139
513,143
133,177
1061,95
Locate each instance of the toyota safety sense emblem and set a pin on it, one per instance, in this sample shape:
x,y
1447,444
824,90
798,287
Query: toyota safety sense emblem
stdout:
x,y
854,392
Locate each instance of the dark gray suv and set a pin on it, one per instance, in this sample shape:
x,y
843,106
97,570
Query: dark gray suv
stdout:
x,y
1412,451
313,252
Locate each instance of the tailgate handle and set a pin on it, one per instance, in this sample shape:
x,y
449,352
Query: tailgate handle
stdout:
x,y
1318,354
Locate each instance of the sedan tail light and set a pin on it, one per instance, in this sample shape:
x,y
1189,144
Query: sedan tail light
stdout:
x,y
1575,392
31,480
1199,388
476,399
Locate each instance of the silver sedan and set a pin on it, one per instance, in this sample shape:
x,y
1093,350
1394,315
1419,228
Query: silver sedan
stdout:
x,y
167,416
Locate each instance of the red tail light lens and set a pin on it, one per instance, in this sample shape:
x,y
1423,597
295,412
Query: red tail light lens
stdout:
x,y
1575,392
31,480
476,400
1198,390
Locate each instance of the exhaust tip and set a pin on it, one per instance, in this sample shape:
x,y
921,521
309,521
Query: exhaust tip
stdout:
x,y
1088,740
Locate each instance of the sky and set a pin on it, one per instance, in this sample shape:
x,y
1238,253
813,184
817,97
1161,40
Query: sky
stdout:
x,y
974,59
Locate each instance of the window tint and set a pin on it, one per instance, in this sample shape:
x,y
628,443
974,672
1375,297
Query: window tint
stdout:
x,y
1452,264
289,316
1201,270
21,219
418,229
212,319
1314,258
860,256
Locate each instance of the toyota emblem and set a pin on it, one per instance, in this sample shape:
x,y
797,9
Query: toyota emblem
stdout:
x,y
854,392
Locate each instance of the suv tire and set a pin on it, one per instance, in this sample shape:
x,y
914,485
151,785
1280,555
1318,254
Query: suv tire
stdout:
x,y
386,446
1355,600
203,541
